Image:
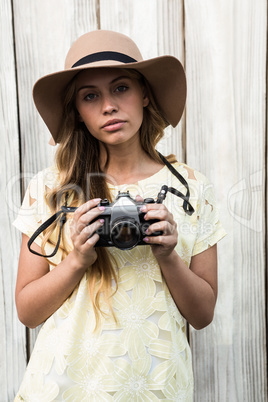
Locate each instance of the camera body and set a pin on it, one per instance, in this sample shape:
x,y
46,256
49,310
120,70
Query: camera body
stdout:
x,y
124,225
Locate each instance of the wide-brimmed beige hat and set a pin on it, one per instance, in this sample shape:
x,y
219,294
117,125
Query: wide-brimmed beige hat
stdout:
x,y
102,48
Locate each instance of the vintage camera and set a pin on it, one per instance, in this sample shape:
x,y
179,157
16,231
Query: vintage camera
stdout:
x,y
124,225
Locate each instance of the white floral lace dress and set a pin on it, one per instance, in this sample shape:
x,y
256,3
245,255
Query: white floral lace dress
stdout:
x,y
145,356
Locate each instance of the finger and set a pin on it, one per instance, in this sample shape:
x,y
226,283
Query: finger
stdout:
x,y
159,211
78,225
138,198
161,214
91,215
88,232
162,226
91,241
87,250
86,207
153,207
153,239
89,245
165,241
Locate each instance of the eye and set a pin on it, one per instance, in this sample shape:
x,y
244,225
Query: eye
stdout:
x,y
90,96
121,88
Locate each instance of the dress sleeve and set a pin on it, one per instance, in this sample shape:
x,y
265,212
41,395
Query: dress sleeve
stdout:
x,y
209,227
33,209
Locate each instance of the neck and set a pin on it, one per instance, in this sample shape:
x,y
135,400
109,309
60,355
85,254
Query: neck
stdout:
x,y
128,164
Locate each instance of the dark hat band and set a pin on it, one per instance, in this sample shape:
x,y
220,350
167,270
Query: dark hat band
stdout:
x,y
100,56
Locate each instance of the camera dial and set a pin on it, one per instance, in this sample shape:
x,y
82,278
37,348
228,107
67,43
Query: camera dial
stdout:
x,y
104,202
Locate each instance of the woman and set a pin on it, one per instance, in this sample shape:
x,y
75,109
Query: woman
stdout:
x,y
113,319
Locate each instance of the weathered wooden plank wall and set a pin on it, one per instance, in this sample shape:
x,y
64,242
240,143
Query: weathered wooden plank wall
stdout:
x,y
226,69
223,46
12,333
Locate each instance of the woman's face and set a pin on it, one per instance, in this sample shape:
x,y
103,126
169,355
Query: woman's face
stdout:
x,y
110,104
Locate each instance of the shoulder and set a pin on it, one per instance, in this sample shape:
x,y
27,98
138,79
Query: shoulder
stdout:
x,y
196,180
46,178
198,183
189,173
34,208
49,175
202,191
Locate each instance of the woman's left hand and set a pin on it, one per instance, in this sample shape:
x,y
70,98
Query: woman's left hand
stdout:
x,y
162,245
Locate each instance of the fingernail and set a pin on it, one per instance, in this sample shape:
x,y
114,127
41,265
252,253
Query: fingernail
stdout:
x,y
102,208
143,209
146,239
146,231
101,220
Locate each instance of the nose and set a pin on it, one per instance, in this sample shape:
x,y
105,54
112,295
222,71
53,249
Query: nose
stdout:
x,y
109,105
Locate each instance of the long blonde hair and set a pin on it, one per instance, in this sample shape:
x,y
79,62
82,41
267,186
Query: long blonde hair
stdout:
x,y
80,175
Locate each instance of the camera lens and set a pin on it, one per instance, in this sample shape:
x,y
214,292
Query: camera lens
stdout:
x,y
125,234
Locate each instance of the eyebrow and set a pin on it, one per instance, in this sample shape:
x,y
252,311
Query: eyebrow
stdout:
x,y
112,82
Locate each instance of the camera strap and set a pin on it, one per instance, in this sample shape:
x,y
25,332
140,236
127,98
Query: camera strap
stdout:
x,y
64,209
45,225
189,210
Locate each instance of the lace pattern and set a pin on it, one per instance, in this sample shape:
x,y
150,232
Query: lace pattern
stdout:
x,y
145,356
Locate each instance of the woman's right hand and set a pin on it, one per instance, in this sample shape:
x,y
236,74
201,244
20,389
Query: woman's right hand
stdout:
x,y
41,291
83,232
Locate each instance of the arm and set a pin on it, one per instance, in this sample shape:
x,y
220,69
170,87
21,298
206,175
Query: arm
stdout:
x,y
194,290
40,292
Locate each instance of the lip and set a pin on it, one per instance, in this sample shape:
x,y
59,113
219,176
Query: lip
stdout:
x,y
113,125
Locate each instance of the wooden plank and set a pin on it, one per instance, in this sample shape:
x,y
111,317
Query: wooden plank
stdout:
x,y
12,333
226,70
146,23
43,36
